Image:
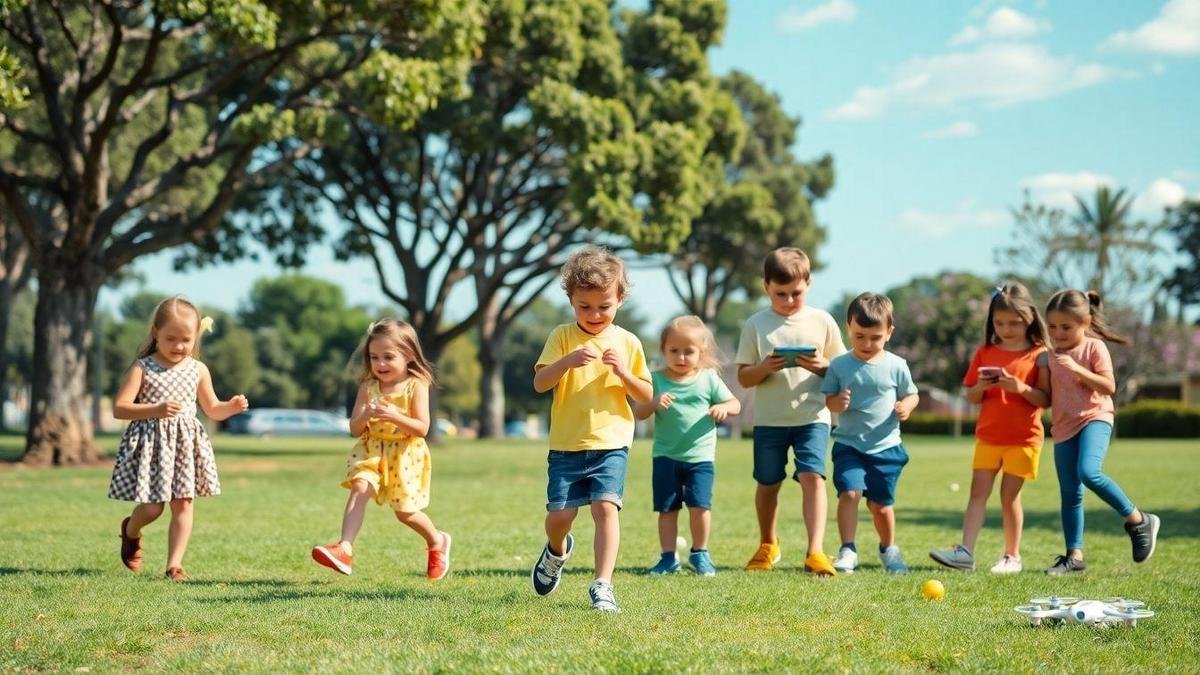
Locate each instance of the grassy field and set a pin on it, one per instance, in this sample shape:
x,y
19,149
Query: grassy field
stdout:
x,y
257,602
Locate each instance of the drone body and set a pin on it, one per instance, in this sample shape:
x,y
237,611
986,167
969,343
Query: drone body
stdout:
x,y
1103,613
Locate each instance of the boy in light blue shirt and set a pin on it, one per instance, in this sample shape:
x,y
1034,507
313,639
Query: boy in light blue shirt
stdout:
x,y
873,391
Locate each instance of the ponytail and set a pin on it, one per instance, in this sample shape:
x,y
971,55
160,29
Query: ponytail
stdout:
x,y
1080,306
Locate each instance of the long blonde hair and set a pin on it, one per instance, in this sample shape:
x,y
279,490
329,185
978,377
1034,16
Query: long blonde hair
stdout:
x,y
404,337
710,354
165,311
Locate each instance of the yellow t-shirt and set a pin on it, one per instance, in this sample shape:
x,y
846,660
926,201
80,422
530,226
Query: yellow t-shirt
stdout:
x,y
590,409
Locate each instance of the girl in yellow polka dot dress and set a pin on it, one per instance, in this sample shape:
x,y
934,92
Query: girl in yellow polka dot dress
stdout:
x,y
390,462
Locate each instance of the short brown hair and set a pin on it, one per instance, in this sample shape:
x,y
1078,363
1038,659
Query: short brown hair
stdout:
x,y
869,310
594,268
786,265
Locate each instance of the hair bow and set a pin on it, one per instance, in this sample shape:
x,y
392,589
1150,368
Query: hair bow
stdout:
x,y
206,324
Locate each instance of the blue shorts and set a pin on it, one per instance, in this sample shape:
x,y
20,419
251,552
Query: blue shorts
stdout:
x,y
581,477
771,444
873,475
676,483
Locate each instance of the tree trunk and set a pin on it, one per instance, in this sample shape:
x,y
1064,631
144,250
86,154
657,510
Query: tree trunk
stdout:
x,y
492,333
60,432
6,300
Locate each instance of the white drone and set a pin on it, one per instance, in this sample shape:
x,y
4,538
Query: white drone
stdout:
x,y
1110,612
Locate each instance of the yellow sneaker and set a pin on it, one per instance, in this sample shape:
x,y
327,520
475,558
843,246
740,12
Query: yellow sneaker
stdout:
x,y
820,565
764,558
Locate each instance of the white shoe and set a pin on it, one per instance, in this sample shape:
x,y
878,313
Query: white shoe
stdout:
x,y
1007,565
847,560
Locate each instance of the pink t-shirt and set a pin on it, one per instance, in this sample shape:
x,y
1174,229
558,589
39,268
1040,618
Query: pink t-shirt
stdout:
x,y
1072,403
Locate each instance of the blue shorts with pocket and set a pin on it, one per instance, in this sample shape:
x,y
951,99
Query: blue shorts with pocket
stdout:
x,y
677,483
771,445
581,477
874,475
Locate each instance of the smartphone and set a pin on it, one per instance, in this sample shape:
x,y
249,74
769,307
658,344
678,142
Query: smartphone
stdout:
x,y
791,354
990,372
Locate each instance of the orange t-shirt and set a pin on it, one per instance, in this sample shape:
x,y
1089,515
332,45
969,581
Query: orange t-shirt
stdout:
x,y
1006,418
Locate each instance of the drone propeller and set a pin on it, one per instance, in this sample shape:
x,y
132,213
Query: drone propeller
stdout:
x,y
1054,601
1131,613
1122,603
1037,611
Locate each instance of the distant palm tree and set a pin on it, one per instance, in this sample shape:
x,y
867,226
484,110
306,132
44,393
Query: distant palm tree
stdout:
x,y
1104,232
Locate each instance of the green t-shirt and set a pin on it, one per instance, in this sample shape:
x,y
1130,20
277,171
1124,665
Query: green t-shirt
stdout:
x,y
684,432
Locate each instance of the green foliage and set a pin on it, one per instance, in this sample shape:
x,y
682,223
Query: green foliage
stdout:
x,y
13,94
248,21
397,90
930,424
264,122
18,347
458,373
231,355
1158,419
1183,223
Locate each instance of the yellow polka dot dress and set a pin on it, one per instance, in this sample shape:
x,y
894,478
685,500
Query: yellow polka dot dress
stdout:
x,y
396,464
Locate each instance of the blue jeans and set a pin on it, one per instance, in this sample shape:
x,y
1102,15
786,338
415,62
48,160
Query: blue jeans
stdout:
x,y
1077,461
581,477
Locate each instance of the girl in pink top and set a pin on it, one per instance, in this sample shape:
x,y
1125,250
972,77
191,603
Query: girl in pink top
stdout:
x,y
1081,389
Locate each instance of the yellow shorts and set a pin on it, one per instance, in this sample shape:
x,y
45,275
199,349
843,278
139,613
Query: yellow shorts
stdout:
x,y
1014,460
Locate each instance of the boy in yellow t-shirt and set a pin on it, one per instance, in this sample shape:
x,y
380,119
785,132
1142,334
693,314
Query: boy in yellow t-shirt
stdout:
x,y
593,367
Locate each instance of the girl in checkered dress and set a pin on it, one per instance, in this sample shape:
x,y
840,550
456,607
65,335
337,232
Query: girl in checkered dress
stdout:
x,y
390,463
165,455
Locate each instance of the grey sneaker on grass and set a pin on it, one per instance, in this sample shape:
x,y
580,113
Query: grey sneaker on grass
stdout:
x,y
893,562
847,560
603,599
1065,564
1144,536
958,558
548,571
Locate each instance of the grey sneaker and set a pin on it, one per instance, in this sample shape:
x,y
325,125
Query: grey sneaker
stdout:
x,y
603,600
893,563
847,560
1144,536
548,570
1064,564
958,558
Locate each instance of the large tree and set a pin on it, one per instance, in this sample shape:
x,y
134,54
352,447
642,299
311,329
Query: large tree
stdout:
x,y
146,119
1183,283
15,269
765,202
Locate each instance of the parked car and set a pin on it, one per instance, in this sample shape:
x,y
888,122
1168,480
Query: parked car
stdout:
x,y
288,422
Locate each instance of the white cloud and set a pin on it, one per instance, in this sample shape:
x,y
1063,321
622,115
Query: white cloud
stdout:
x,y
966,217
794,19
1059,189
1176,30
1004,23
993,74
960,129
1160,194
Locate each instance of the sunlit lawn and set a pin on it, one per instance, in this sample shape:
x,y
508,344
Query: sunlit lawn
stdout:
x,y
257,602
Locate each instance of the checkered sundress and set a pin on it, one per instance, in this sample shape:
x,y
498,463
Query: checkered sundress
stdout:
x,y
165,458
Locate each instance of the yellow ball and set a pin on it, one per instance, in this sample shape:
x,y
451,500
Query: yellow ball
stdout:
x,y
933,590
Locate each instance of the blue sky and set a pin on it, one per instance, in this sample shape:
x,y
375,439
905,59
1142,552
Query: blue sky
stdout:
x,y
938,114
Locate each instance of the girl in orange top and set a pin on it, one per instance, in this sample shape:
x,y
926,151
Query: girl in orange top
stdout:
x,y
1009,377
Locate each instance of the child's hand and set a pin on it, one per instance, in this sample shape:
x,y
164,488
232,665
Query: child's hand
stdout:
x,y
1067,362
664,401
580,357
903,410
239,403
718,412
385,412
841,402
613,360
773,363
1010,383
168,408
815,364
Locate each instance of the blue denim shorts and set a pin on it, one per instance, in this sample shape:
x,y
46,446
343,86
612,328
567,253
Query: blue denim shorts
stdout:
x,y
581,477
676,483
771,445
874,475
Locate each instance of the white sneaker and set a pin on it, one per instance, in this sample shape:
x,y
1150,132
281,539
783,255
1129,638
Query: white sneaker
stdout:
x,y
847,560
1007,565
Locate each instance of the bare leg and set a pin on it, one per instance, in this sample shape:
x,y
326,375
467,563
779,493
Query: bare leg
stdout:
x,y
885,522
356,504
1013,514
847,515
608,538
701,522
179,532
816,510
668,530
422,525
766,505
558,526
143,515
981,489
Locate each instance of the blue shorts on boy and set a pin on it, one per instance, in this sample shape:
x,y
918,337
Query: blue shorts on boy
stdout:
x,y
685,440
874,475
789,410
585,476
677,483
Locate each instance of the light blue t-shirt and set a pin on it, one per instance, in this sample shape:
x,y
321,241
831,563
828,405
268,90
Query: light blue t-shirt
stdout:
x,y
870,424
684,432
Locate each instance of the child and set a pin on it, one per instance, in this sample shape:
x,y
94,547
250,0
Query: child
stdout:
x,y
788,409
1081,389
1010,378
165,454
391,461
592,366
689,400
874,391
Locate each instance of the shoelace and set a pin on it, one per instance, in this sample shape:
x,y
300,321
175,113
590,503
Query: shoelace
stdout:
x,y
602,594
550,566
1060,561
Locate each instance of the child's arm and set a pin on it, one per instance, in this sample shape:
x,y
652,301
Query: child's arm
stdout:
x,y
361,416
1036,395
124,407
839,402
215,408
905,406
724,409
645,409
906,386
547,377
1101,383
752,375
635,387
414,421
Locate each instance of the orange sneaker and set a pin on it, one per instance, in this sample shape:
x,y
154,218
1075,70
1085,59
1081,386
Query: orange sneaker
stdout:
x,y
820,565
334,557
438,564
177,574
131,549
764,558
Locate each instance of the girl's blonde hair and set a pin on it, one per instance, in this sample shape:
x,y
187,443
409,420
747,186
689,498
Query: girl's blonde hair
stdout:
x,y
710,354
1014,297
164,312
1079,306
404,337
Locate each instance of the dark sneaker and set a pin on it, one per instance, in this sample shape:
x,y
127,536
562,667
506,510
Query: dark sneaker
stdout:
x,y
548,570
1064,564
1143,535
958,558
603,599
131,549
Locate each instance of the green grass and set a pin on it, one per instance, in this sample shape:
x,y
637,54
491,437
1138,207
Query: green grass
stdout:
x,y
257,602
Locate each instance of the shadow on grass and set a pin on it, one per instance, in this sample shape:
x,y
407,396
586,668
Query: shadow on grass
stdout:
x,y
1176,523
72,572
317,591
